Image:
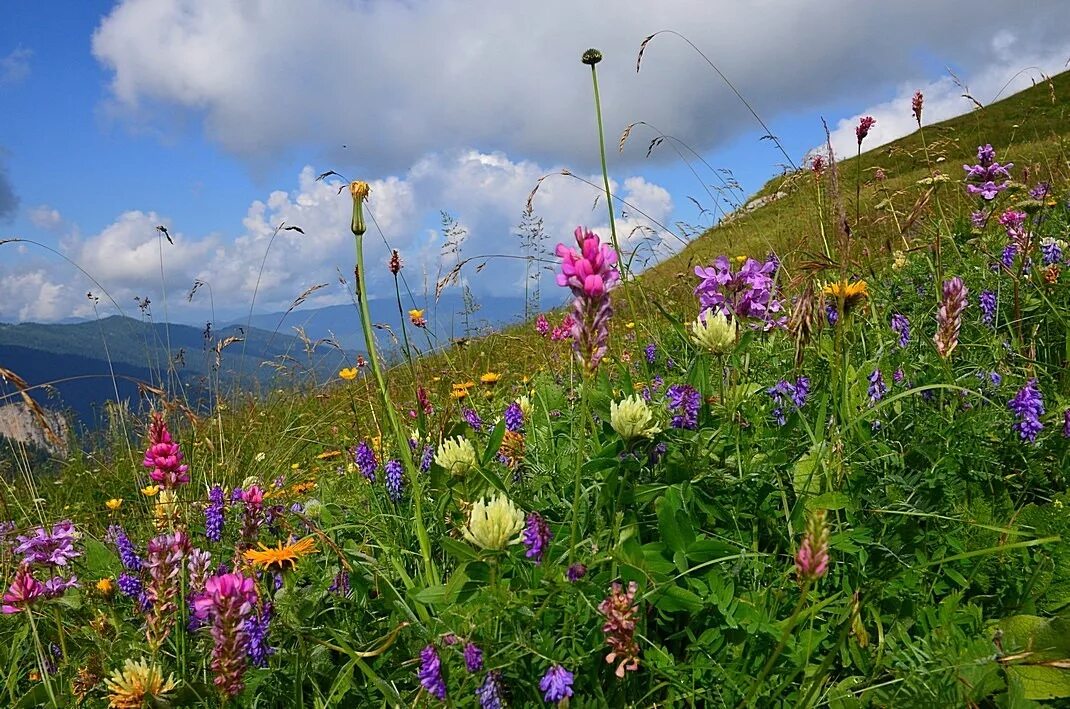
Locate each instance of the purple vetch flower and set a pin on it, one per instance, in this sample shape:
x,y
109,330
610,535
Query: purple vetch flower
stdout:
x,y
995,378
430,673
214,514
1066,423
590,272
364,457
426,458
395,478
898,376
831,314
978,219
340,584
514,418
1006,258
657,453
877,387
471,417
556,684
802,391
901,326
536,536
784,390
131,587
473,657
1042,190
256,627
1051,252
1028,406
575,572
949,316
651,353
127,554
987,178
750,292
489,693
988,307
685,401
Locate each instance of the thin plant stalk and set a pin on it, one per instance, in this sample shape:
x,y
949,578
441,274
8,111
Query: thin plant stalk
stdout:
x,y
779,647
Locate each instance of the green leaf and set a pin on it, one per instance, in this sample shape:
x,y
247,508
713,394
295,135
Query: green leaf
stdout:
x,y
676,598
830,501
1037,682
805,473
458,550
495,443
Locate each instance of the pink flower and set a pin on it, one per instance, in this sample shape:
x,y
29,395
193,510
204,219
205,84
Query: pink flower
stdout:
x,y
812,559
25,590
228,601
164,457
588,271
864,126
620,612
542,325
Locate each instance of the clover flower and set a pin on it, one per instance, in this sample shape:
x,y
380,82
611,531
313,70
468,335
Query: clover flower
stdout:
x,y
631,418
493,524
590,274
25,590
164,457
713,332
456,455
542,325
138,684
556,684
430,673
620,612
1028,406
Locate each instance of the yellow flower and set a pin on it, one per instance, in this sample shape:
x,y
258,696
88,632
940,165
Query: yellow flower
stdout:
x,y
137,684
456,455
458,393
359,189
741,259
852,293
494,524
632,418
348,373
490,378
629,326
276,559
105,586
295,466
328,455
114,503
436,379
713,332
416,317
900,260
415,313
150,490
525,407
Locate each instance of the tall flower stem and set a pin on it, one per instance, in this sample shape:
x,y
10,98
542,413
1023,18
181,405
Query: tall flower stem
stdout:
x,y
779,648
359,191
577,490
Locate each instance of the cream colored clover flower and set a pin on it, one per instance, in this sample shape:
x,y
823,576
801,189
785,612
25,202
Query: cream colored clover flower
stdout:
x,y
456,455
494,524
137,683
713,332
632,418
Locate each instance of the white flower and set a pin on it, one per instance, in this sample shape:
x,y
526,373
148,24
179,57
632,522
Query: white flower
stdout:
x,y
494,524
456,455
632,418
712,332
525,407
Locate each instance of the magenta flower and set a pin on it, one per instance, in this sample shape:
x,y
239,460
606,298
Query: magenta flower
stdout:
x,y
812,558
1013,221
253,514
164,561
164,457
620,613
25,590
590,273
915,106
865,124
228,601
542,325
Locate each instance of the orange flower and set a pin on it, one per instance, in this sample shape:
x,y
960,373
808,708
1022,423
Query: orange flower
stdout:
x,y
490,378
276,559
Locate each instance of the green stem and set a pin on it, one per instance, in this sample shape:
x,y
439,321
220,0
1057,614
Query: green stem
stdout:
x,y
577,491
779,648
41,659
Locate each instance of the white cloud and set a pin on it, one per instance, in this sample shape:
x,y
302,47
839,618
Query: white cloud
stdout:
x,y
33,295
15,66
45,217
395,81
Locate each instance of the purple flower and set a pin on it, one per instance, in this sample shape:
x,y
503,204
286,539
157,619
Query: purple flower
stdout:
x,y
1051,252
988,307
978,219
340,584
53,547
1028,406
229,601
590,272
252,514
995,378
1066,423
831,314
430,673
214,514
1041,190
395,478
1007,257
489,693
25,590
575,572
471,417
651,353
685,401
536,536
164,457
949,316
749,293
802,391
256,628
130,585
556,684
987,178
473,657
514,418
364,457
782,391
877,387
542,325
901,326
127,554
427,458
865,124
898,376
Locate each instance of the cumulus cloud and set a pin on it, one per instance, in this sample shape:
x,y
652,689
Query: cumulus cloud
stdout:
x,y
34,295
395,81
1017,63
45,217
15,66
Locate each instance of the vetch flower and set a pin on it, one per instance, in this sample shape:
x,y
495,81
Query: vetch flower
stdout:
x,y
901,326
489,693
430,673
685,401
651,353
493,524
127,554
1028,406
877,387
514,417
556,684
471,417
364,457
631,418
49,547
456,455
713,332
256,628
473,657
537,536
575,572
214,514
395,479
988,307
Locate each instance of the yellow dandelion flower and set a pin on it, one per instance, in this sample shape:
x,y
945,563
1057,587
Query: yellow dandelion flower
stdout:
x,y
458,393
490,378
348,373
137,684
852,293
114,503
105,586
276,559
150,490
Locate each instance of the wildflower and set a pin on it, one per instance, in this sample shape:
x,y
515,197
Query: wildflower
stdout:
x,y
1066,423
127,554
564,330
988,307
514,418
359,190
213,514
252,513
1028,406
590,273
52,547
783,390
340,584
1013,221
712,332
471,417
164,563
865,124
651,353
489,693
364,457
1007,256
556,684
394,480
150,490
511,451
898,375
426,458
575,572
542,325
901,326
105,587
537,536
256,628
348,373
749,292
915,106
526,408
473,657
131,587
228,601
114,503
631,418
1052,251
430,673
456,455
620,613
138,684
490,378
164,457
685,401
978,219
416,317
982,177
949,316
1041,190
877,387
276,559
24,591
493,524
424,401
853,294
831,314
395,262
812,558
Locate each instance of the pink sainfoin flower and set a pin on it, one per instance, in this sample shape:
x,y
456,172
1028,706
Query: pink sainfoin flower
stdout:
x,y
228,601
164,457
590,273
25,590
542,325
949,316
564,330
865,124
620,612
164,562
253,514
1013,221
915,106
812,558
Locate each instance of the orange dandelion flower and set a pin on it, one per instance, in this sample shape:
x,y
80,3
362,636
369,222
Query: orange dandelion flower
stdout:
x,y
490,378
852,293
105,586
276,559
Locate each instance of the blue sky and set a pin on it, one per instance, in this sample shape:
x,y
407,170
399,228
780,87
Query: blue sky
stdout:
x,y
212,117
